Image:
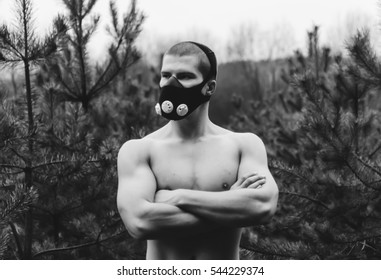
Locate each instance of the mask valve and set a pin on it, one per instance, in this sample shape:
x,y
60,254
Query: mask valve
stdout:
x,y
167,106
182,110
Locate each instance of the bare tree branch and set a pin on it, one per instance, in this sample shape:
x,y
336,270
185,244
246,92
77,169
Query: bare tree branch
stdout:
x,y
75,247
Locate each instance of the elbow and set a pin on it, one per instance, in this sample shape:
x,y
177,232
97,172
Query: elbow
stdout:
x,y
137,229
267,214
136,226
268,209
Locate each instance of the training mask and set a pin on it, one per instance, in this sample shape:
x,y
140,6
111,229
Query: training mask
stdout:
x,y
177,102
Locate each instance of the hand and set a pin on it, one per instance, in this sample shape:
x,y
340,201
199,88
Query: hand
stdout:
x,y
166,196
249,181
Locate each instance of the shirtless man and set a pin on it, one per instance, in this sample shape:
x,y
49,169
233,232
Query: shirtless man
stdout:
x,y
189,187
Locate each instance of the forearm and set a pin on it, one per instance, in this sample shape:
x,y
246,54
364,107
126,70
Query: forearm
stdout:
x,y
242,207
159,220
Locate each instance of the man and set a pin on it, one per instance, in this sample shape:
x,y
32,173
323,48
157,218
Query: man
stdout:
x,y
190,187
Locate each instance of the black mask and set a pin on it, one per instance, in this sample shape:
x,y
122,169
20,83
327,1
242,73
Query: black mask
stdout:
x,y
177,102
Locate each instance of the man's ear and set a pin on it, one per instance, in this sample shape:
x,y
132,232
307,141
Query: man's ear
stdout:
x,y
210,87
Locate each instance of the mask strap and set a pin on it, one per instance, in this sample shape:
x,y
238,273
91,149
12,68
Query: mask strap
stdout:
x,y
211,57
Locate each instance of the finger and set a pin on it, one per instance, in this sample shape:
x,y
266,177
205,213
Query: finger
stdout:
x,y
241,180
252,180
258,184
248,181
245,177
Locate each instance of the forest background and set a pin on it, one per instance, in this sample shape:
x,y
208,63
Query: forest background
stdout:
x,y
64,117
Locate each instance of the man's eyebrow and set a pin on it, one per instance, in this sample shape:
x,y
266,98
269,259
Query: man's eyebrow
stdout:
x,y
180,73
186,73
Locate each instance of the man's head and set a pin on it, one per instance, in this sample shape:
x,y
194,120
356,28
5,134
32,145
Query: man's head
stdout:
x,y
187,79
192,57
207,62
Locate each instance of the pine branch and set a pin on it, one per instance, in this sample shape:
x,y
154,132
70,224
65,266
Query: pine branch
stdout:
x,y
375,182
75,247
9,62
249,247
357,239
17,239
374,169
308,198
3,165
334,132
68,209
12,173
17,154
49,163
362,53
293,174
58,76
366,184
6,41
89,7
131,25
97,87
17,202
110,79
4,243
376,149
114,15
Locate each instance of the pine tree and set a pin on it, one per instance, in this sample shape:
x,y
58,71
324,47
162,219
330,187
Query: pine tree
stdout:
x,y
73,72
324,146
66,183
23,46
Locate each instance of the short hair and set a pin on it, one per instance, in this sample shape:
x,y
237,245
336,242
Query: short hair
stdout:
x,y
207,58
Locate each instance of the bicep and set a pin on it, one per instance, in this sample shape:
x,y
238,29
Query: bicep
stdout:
x,y
136,181
254,159
253,156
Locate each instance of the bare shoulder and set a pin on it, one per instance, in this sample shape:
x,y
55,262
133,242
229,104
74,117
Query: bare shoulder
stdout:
x,y
133,145
250,143
133,151
244,140
142,144
248,138
137,150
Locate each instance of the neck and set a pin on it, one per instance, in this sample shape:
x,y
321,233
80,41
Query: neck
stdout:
x,y
194,126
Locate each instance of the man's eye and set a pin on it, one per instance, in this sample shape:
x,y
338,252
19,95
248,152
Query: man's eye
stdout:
x,y
166,76
184,77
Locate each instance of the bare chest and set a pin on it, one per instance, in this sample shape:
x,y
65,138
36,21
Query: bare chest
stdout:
x,y
208,166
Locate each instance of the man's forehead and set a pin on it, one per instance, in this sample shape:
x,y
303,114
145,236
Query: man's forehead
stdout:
x,y
180,63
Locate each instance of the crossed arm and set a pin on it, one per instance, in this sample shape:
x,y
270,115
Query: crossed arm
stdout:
x,y
148,214
143,217
251,200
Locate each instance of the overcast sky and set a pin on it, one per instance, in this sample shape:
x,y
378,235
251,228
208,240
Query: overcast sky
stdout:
x,y
215,22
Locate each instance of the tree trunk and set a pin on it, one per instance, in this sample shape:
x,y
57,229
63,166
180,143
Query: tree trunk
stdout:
x,y
28,170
